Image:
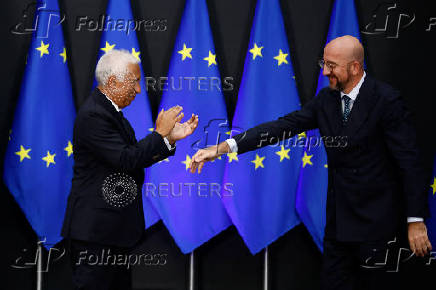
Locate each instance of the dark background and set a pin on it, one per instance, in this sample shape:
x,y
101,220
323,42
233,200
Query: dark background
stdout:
x,y
407,62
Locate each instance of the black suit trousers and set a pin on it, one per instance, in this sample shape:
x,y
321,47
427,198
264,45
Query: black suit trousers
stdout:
x,y
99,267
360,265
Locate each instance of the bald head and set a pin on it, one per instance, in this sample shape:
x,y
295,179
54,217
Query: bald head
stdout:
x,y
347,48
343,62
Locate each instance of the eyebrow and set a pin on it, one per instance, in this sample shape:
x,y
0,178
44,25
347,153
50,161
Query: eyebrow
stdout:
x,y
331,62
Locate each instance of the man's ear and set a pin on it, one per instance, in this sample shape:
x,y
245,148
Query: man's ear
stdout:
x,y
111,81
356,68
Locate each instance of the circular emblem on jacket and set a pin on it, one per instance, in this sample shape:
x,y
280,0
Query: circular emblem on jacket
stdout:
x,y
119,189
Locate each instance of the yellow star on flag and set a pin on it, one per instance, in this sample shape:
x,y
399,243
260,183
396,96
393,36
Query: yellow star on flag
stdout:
x,y
166,160
23,153
306,159
211,59
185,52
64,54
43,49
151,129
187,161
232,156
326,166
256,51
258,162
281,58
107,47
69,148
283,153
434,186
302,135
136,54
49,158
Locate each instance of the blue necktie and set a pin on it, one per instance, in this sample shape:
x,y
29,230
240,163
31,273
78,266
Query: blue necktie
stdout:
x,y
347,108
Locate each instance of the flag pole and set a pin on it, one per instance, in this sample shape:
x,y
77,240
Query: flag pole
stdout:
x,y
191,271
39,266
265,269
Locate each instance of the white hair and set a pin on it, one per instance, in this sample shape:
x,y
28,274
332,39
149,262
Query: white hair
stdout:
x,y
114,63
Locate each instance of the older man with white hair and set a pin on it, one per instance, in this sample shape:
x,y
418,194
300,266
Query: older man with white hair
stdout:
x,y
104,219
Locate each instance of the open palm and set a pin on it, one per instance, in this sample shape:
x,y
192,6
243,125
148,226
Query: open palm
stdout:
x,y
182,130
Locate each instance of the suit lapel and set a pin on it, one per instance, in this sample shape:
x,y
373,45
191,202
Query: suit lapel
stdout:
x,y
128,128
361,107
333,110
106,104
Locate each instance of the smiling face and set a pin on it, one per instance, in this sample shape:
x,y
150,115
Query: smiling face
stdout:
x,y
343,58
123,92
337,70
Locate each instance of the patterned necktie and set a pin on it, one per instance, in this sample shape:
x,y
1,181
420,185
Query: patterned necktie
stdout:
x,y
347,108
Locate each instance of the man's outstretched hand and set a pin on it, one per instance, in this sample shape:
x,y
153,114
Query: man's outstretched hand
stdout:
x,y
183,130
208,154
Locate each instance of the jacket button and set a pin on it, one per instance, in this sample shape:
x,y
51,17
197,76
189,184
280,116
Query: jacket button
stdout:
x,y
354,170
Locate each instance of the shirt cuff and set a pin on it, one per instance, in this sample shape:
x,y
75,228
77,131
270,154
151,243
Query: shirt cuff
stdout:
x,y
414,219
169,146
232,144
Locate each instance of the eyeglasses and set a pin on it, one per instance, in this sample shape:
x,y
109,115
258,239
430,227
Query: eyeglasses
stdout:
x,y
330,65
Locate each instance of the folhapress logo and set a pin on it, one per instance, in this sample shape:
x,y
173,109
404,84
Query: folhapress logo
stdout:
x,y
389,20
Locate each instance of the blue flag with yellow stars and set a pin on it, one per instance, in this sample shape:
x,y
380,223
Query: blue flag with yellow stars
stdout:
x,y
312,185
431,221
262,206
119,32
38,165
190,204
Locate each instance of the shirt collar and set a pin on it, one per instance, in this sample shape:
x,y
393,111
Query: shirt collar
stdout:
x,y
355,91
115,105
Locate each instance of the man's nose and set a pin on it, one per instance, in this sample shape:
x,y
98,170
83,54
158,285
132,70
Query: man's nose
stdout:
x,y
325,70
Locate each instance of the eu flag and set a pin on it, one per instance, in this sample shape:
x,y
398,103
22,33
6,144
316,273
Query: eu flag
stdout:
x,y
38,164
190,205
431,222
119,32
312,185
264,181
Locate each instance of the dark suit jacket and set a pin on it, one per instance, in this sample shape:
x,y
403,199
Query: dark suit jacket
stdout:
x,y
375,182
104,144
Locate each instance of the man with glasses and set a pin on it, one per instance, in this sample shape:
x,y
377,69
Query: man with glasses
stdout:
x,y
376,190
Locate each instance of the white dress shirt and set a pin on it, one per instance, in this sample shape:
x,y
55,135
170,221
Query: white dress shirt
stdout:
x,y
169,146
353,96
